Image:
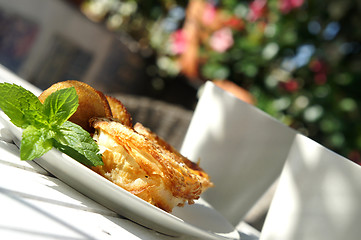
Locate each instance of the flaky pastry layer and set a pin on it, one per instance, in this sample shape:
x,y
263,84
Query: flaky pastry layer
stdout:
x,y
145,167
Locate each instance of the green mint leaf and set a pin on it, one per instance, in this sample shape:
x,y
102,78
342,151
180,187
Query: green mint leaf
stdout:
x,y
46,125
60,105
37,119
15,101
74,141
34,143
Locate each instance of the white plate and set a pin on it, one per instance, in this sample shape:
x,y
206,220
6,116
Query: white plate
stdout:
x,y
198,220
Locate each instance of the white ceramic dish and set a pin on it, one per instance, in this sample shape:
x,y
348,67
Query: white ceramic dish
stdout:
x,y
198,220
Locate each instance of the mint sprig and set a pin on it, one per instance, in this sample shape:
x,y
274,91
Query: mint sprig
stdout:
x,y
15,101
46,126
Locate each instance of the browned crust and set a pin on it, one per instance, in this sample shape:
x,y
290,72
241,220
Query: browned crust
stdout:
x,y
139,128
92,103
119,111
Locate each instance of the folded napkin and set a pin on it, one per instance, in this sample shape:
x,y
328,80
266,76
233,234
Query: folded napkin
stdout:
x,y
242,148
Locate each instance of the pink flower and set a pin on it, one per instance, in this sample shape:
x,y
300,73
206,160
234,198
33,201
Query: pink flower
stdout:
x,y
287,5
235,23
257,9
318,66
320,69
209,14
221,40
178,42
290,86
320,78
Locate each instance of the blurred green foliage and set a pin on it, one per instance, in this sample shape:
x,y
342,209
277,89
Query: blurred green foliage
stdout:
x,y
300,59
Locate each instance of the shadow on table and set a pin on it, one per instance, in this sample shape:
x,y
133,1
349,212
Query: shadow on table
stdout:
x,y
21,229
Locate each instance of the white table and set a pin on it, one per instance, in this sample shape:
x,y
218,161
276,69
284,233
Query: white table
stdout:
x,y
36,205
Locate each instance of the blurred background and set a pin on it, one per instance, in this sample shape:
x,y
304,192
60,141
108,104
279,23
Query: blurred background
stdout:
x,y
297,60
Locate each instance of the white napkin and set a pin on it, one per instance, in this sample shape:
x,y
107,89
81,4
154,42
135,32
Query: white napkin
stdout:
x,y
241,147
318,196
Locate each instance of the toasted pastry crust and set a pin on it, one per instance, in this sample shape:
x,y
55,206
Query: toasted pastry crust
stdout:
x,y
146,168
92,103
119,111
139,128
